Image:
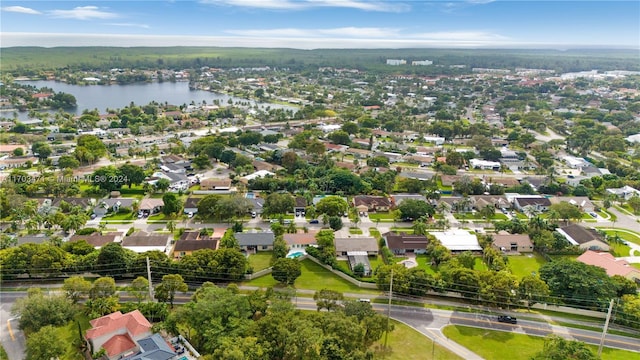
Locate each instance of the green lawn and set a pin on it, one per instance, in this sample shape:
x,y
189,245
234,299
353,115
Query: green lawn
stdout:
x,y
627,235
522,216
477,216
407,230
636,265
408,344
162,217
127,216
498,345
424,263
69,334
524,264
380,216
355,231
563,257
260,260
374,232
619,250
480,265
314,277
3,354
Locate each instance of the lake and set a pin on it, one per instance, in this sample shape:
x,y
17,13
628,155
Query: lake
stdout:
x,y
104,97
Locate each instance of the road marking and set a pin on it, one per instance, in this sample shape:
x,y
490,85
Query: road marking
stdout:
x,y
13,338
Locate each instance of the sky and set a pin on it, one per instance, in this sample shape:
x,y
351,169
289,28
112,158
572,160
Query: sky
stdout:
x,y
313,24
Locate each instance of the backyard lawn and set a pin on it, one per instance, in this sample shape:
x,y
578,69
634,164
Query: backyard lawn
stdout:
x,y
260,260
408,344
500,345
636,265
69,335
525,264
314,277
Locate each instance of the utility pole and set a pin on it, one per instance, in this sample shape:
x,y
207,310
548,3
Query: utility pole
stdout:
x,y
149,279
604,330
386,333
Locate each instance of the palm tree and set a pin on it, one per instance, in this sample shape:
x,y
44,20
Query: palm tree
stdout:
x,y
171,226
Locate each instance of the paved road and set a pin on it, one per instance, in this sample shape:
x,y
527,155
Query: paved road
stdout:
x,y
429,322
11,337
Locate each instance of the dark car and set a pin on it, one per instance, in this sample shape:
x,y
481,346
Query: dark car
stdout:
x,y
507,319
314,221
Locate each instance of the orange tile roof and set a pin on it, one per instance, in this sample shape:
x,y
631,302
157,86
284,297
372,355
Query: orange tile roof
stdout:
x,y
118,344
133,321
606,261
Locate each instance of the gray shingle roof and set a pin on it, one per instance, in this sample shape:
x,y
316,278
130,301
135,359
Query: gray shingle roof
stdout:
x,y
255,239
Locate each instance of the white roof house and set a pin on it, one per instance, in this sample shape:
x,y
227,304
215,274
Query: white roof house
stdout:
x,y
457,240
575,162
626,192
485,165
258,174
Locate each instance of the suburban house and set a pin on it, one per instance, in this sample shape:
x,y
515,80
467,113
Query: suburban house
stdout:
x,y
498,201
611,265
512,243
588,239
457,240
484,164
300,240
255,241
300,204
214,184
262,165
97,240
257,174
626,192
183,248
191,205
357,250
84,202
142,242
118,334
373,203
17,162
401,243
397,199
176,181
151,206
366,245
112,205
581,202
538,204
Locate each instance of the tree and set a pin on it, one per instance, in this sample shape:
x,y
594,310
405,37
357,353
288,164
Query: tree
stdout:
x,y
42,149
328,299
488,212
68,162
46,343
172,204
167,289
332,206
107,178
280,249
103,287
578,283
339,137
139,288
566,211
162,185
133,174
466,259
76,287
533,290
113,260
277,203
350,128
37,310
412,209
634,203
286,271
557,348
335,223
229,241
89,148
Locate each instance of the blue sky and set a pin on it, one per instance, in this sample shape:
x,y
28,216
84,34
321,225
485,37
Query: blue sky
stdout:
x,y
309,24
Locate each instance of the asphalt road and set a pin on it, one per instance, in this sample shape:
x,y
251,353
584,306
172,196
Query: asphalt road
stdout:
x,y
427,321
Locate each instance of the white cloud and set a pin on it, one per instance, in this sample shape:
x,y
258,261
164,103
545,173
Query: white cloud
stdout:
x,y
21,9
307,4
460,36
341,32
130,40
143,26
83,13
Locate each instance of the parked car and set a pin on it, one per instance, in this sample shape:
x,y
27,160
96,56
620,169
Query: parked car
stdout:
x,y
314,221
253,214
507,319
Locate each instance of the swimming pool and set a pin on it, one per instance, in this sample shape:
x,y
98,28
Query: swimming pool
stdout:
x,y
296,254
250,195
